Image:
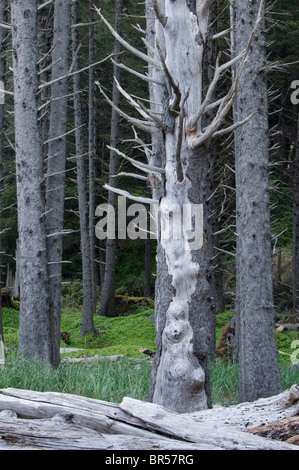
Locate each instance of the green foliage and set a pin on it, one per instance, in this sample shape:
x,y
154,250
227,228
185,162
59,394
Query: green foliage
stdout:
x,y
128,376
119,335
104,380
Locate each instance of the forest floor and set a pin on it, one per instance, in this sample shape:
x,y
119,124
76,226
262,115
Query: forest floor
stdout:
x,y
122,339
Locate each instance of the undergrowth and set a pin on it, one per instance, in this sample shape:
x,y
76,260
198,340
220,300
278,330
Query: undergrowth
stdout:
x,y
129,375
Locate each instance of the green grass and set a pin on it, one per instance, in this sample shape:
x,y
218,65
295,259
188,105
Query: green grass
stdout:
x,y
128,376
119,335
109,381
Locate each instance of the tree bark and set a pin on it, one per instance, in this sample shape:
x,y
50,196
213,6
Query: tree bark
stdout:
x,y
56,165
91,150
85,423
180,379
87,279
295,259
108,288
34,332
3,35
259,374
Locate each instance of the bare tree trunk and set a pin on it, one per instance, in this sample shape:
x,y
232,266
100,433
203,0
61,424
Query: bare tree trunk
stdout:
x,y
259,374
108,288
296,227
87,314
56,165
34,332
91,150
180,379
3,34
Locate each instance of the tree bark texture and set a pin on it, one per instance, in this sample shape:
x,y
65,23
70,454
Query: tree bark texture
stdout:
x,y
34,332
259,374
87,278
180,379
108,287
3,35
49,420
295,260
55,181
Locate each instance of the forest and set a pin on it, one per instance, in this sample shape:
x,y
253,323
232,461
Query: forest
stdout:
x,y
149,161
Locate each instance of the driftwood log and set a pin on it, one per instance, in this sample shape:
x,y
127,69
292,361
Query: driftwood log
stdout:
x,y
56,421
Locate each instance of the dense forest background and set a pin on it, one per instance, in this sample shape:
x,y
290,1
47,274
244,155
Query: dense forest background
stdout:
x,y
132,255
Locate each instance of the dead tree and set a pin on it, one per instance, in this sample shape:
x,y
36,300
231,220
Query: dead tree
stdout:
x,y
181,378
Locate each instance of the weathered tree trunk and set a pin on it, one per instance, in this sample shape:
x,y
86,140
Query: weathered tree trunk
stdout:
x,y
108,288
87,311
3,34
34,332
295,262
259,374
180,379
56,165
64,421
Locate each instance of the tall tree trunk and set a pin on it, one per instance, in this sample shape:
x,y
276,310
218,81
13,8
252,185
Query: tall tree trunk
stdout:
x,y
3,34
56,164
108,288
259,374
34,332
87,314
91,150
181,379
296,227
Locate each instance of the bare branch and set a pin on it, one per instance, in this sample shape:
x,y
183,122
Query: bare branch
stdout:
x,y
141,166
143,125
60,136
142,200
44,5
5,26
160,15
234,126
131,175
222,33
128,46
131,101
68,75
139,75
227,102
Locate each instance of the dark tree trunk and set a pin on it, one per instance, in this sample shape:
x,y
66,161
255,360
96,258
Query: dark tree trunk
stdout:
x,y
259,374
108,287
296,227
34,331
87,312
3,34
57,164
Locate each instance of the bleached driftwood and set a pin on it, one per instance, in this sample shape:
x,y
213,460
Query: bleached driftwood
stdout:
x,y
249,415
92,359
50,420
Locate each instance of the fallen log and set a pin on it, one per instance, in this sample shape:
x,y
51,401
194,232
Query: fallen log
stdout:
x,y
285,430
280,327
245,416
103,425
